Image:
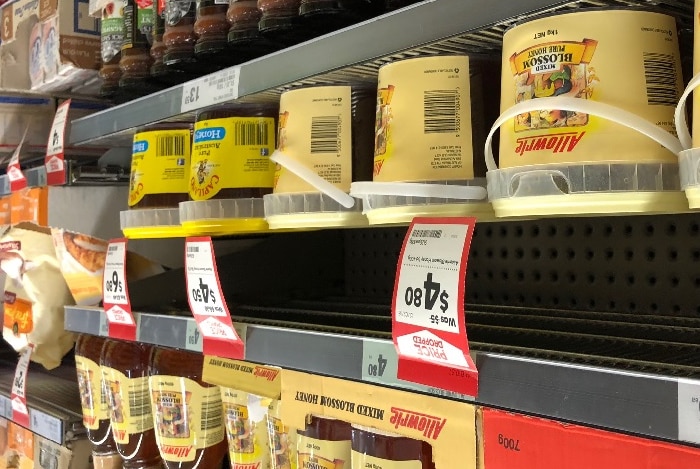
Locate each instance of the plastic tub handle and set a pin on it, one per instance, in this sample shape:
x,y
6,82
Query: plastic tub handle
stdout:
x,y
312,178
680,114
594,108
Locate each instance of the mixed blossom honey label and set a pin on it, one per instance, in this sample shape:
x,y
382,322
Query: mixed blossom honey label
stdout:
x,y
187,417
625,58
129,404
93,399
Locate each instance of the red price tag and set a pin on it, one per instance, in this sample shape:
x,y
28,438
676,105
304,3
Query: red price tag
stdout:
x,y
115,294
20,412
207,302
14,172
428,323
55,155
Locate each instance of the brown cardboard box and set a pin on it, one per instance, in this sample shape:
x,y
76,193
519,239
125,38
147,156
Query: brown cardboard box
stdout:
x,y
49,45
449,426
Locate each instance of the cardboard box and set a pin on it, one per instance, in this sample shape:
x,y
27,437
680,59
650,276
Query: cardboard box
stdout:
x,y
261,380
449,426
513,441
53,46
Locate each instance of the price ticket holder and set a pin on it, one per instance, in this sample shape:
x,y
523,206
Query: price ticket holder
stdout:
x,y
115,293
207,302
55,154
428,322
18,397
18,180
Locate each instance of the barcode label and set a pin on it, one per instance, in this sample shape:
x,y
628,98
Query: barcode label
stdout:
x,y
211,414
252,133
325,134
170,145
660,74
427,234
192,248
139,402
441,111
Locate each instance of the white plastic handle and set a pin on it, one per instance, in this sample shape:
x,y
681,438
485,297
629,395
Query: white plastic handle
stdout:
x,y
587,106
314,179
413,189
681,122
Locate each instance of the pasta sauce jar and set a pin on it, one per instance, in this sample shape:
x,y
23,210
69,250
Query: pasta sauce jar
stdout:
x,y
94,402
125,374
135,63
111,39
211,28
187,412
231,152
179,36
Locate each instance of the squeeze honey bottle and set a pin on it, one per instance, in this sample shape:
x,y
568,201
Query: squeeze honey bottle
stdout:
x,y
94,402
325,442
375,448
125,373
188,413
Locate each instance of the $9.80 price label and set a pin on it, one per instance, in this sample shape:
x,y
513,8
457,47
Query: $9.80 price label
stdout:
x,y
429,327
207,302
115,294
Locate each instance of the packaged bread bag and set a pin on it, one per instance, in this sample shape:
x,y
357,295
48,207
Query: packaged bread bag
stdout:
x,y
35,294
82,261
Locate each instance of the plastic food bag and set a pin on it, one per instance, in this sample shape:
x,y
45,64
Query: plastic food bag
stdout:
x,y
82,259
35,294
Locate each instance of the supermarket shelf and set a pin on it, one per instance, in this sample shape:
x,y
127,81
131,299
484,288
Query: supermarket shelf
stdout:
x,y
640,403
53,402
429,27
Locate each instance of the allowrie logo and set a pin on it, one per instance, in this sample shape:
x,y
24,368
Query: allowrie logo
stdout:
x,y
559,143
430,425
263,372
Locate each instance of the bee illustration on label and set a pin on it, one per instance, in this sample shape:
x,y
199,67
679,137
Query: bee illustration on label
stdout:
x,y
549,70
202,171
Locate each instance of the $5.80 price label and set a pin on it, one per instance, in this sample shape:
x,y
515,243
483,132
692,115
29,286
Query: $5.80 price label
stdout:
x,y
207,302
115,294
428,321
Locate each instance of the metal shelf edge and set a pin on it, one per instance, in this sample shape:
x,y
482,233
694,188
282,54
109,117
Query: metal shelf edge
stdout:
x,y
639,403
404,29
41,423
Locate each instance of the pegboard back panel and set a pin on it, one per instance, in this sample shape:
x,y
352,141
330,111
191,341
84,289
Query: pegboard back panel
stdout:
x,y
640,264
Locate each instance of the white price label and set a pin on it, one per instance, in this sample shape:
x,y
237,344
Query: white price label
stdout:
x,y
204,294
429,277
207,302
19,405
212,89
689,410
14,173
380,365
19,383
117,315
55,144
114,287
212,327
